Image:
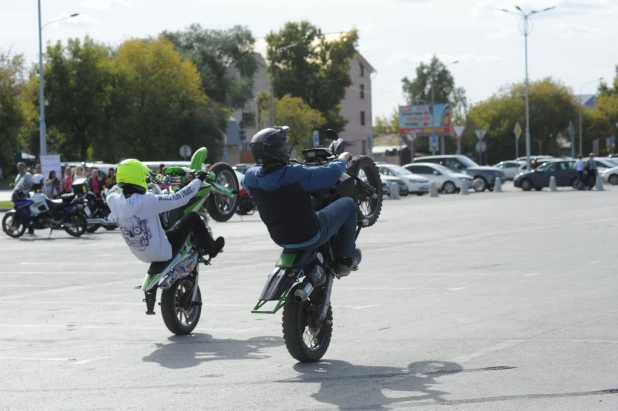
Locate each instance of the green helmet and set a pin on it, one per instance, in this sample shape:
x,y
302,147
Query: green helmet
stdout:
x,y
132,172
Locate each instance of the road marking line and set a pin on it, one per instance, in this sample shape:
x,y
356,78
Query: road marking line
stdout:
x,y
90,360
532,274
457,288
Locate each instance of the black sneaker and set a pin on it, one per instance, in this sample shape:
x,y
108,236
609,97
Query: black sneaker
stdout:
x,y
347,264
219,244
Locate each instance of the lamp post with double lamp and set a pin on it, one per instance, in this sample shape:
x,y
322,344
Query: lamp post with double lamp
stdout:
x,y
433,123
42,127
581,110
526,29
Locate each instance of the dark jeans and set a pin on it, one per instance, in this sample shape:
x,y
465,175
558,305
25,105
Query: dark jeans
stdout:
x,y
592,178
580,178
189,223
339,216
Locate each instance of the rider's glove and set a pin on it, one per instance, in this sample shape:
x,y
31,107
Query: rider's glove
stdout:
x,y
201,175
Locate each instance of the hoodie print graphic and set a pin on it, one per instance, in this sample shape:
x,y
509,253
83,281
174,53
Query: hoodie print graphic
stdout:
x,y
136,235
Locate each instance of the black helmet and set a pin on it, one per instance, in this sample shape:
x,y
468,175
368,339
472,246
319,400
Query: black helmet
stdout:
x,y
270,146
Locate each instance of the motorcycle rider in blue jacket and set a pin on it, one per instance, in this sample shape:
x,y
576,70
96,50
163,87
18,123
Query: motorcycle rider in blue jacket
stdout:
x,y
281,193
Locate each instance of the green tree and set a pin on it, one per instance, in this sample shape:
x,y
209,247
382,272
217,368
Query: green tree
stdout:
x,y
312,68
224,58
163,103
294,113
12,115
386,125
436,75
552,107
77,81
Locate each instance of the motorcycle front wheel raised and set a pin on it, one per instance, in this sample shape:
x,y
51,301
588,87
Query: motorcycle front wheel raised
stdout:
x,y
179,314
305,340
222,207
366,170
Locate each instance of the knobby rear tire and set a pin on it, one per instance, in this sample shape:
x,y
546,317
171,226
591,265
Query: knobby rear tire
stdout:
x,y
294,324
168,308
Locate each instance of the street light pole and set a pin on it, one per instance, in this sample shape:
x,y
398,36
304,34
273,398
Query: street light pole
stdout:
x,y
42,129
526,29
581,113
42,126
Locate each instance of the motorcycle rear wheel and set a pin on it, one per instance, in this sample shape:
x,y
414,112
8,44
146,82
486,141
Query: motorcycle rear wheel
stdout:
x,y
13,225
297,331
221,207
364,168
176,304
79,224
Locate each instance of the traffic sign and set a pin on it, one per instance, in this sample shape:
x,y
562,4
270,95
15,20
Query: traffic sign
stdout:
x,y
370,141
612,141
316,138
480,134
571,130
433,142
185,151
481,146
224,153
459,131
517,130
411,136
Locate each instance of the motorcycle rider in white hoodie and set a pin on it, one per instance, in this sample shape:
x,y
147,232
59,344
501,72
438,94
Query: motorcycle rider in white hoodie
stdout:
x,y
138,212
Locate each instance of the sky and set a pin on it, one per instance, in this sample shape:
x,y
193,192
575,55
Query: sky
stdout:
x,y
575,43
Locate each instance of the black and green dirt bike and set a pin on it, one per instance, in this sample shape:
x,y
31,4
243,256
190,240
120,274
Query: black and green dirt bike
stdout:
x,y
302,281
178,278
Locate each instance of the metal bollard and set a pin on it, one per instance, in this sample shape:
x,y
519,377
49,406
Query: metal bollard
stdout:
x,y
433,190
599,183
498,185
464,187
394,194
552,184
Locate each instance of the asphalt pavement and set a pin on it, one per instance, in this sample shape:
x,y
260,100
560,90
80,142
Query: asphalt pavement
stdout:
x,y
492,301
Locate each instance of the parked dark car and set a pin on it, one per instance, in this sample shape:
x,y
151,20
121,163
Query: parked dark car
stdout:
x,y
563,170
484,177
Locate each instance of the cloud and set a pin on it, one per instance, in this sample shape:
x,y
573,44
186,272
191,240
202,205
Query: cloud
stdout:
x,y
410,58
105,4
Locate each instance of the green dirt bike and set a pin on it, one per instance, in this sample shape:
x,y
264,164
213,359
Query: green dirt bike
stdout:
x,y
302,281
178,278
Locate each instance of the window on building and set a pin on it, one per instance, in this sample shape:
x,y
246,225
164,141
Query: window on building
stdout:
x,y
362,70
362,91
248,119
362,118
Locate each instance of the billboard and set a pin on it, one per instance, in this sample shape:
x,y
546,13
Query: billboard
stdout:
x,y
418,118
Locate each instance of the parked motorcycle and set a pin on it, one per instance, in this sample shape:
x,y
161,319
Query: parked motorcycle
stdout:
x,y
98,213
37,211
178,278
302,281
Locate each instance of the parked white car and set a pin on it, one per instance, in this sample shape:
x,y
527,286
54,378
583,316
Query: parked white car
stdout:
x,y
511,168
416,184
387,180
446,181
610,175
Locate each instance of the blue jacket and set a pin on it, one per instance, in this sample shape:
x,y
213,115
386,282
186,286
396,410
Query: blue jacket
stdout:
x,y
310,178
282,198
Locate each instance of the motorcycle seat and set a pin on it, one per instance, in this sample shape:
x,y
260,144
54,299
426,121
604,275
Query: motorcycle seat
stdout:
x,y
67,197
55,204
301,256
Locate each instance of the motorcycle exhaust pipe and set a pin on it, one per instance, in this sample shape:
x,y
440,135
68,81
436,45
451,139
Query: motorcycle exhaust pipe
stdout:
x,y
301,295
101,221
316,278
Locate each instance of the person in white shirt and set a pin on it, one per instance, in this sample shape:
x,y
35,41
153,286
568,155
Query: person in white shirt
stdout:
x,y
579,166
37,179
138,212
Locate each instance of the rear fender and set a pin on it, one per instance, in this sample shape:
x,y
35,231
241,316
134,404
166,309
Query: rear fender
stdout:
x,y
279,282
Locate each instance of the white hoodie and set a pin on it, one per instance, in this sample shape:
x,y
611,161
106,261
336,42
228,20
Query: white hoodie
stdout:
x,y
138,219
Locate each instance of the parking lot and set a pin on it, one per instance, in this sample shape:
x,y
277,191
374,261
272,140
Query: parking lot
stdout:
x,y
491,301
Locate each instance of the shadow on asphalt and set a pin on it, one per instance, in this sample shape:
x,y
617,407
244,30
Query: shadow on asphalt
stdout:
x,y
349,386
191,350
